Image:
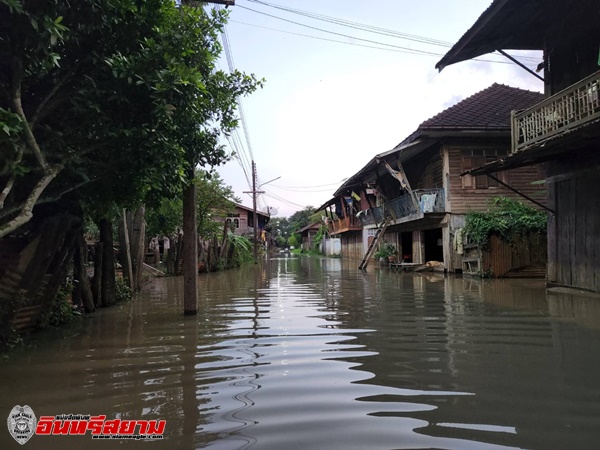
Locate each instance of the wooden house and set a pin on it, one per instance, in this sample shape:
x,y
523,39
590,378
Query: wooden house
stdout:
x,y
242,220
413,195
308,234
563,130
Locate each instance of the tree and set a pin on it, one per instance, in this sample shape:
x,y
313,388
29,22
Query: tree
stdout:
x,y
61,112
107,103
214,199
117,100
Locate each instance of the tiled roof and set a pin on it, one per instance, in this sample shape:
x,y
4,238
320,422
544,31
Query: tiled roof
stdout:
x,y
489,108
486,110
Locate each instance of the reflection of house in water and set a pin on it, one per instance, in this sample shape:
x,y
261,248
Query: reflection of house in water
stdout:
x,y
494,360
413,196
562,131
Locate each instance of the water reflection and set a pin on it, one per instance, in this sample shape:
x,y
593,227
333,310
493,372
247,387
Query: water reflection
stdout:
x,y
311,353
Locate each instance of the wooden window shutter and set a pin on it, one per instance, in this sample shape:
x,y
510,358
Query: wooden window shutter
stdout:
x,y
481,181
491,182
467,180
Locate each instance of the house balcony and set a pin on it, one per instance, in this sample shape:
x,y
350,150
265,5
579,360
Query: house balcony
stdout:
x,y
575,107
348,223
404,209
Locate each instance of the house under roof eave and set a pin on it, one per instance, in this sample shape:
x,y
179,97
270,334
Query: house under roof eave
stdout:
x,y
483,114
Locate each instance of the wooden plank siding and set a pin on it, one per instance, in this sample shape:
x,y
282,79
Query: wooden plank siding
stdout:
x,y
464,196
352,245
425,171
576,242
501,257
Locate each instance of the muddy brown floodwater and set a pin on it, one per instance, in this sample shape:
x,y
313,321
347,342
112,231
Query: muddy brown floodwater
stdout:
x,y
308,353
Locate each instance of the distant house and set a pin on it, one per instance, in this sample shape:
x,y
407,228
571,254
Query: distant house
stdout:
x,y
242,220
563,130
413,195
308,234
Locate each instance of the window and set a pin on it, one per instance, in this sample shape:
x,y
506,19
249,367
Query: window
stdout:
x,y
235,221
477,158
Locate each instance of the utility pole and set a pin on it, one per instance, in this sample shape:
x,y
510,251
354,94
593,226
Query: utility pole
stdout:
x,y
254,193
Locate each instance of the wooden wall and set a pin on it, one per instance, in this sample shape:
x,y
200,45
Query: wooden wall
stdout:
x,y
352,245
425,170
462,200
500,257
574,231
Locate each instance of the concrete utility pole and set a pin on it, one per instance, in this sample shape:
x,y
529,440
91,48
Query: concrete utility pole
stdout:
x,y
254,193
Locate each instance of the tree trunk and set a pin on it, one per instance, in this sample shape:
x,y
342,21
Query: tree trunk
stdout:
x,y
190,252
97,281
109,288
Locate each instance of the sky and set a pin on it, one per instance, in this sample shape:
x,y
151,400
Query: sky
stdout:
x,y
326,107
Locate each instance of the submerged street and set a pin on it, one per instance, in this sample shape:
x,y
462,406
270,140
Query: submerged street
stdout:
x,y
309,353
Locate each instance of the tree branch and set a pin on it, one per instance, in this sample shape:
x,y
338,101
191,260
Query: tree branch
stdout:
x,y
29,137
48,199
40,108
11,181
26,212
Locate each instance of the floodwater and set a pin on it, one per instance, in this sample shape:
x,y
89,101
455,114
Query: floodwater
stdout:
x,y
308,353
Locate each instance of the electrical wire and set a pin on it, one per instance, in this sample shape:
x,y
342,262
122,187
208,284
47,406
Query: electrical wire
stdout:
x,y
368,28
357,25
309,187
283,200
407,49
324,39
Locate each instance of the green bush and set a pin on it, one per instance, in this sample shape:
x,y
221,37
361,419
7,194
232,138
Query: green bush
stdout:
x,y
61,310
506,218
123,292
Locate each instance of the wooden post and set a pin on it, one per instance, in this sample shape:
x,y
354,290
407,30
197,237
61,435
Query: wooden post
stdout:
x,y
109,288
97,281
137,238
190,251
80,273
125,250
418,250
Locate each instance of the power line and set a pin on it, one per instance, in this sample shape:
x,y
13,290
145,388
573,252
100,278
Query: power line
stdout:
x,y
328,40
364,27
357,25
341,34
309,187
283,200
235,141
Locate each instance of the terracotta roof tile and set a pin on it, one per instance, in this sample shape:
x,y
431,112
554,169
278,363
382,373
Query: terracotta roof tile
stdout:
x,y
487,109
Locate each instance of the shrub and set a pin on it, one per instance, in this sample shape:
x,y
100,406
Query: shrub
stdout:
x,y
505,217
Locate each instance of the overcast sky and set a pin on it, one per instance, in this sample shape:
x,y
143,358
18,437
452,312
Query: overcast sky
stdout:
x,y
328,107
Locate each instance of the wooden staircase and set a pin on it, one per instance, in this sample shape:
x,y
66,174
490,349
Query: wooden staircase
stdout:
x,y
380,231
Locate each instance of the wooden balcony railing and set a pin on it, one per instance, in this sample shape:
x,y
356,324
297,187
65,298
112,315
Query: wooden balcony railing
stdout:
x,y
349,223
429,200
575,106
